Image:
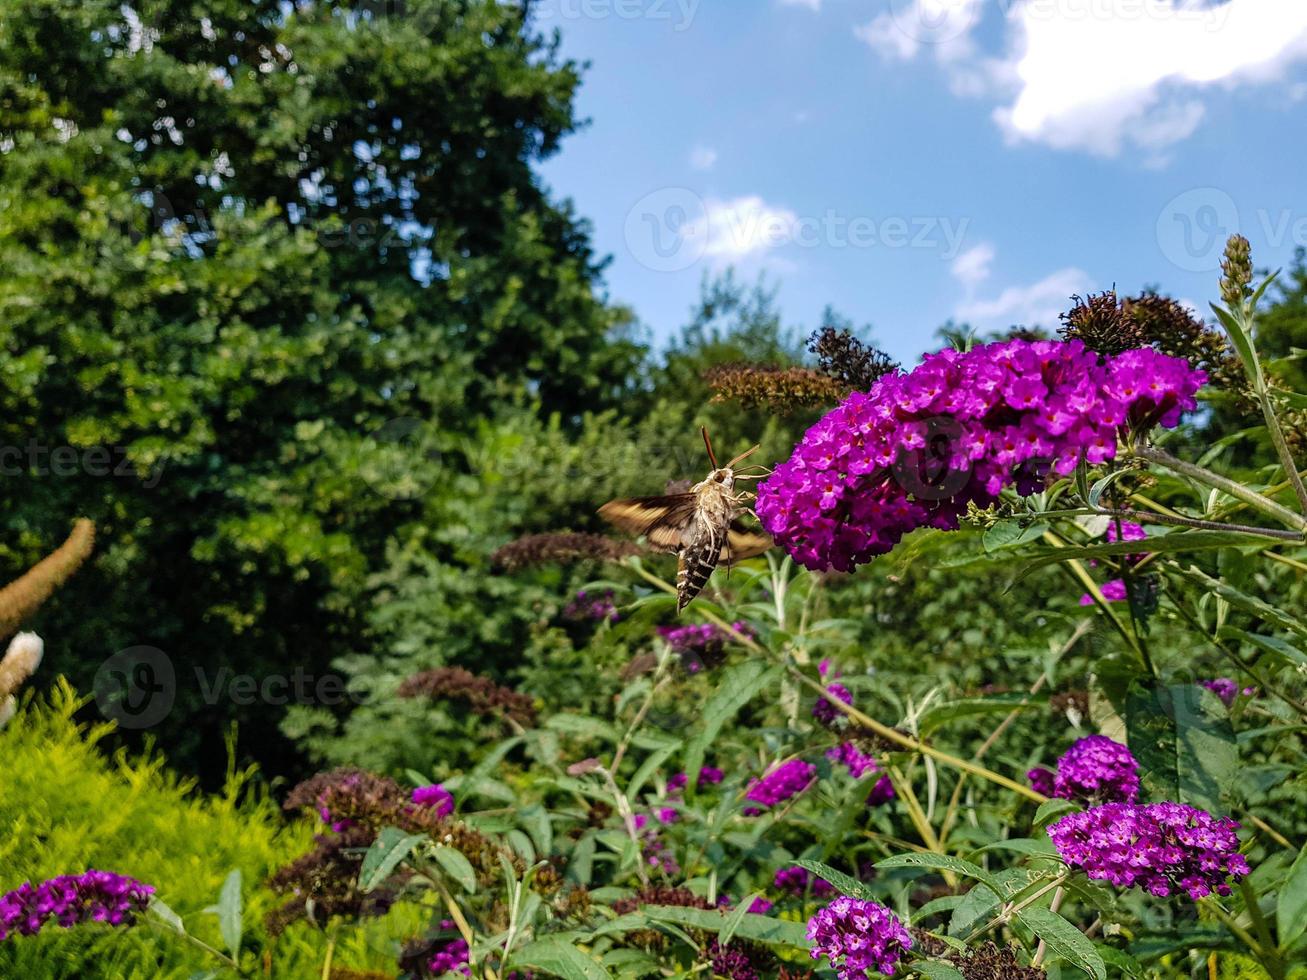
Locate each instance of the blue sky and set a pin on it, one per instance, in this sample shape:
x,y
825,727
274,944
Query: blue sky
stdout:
x,y
912,161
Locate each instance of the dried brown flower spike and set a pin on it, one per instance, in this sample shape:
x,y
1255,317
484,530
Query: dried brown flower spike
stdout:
x,y
565,546
1237,271
782,389
844,357
1099,322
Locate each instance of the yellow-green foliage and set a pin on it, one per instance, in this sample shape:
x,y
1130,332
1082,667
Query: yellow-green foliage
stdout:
x,y
66,807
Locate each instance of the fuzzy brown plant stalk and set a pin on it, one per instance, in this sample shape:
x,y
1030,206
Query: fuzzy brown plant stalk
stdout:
x,y
23,596
482,695
778,388
846,359
561,547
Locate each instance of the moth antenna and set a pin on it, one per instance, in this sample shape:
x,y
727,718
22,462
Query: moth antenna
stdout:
x,y
712,457
743,455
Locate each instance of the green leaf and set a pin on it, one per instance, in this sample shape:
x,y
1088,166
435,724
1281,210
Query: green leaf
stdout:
x,y
739,685
935,970
759,928
1184,742
1240,600
535,819
1291,907
1280,649
559,958
161,911
945,903
650,766
229,912
582,726
1010,534
849,886
940,862
454,864
1174,541
737,916
1034,847
1052,810
390,848
1121,962
1064,940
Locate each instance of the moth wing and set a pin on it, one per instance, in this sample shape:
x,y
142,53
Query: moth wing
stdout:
x,y
663,520
742,543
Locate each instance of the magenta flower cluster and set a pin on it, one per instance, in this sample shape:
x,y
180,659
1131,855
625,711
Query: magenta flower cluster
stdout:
x,y
861,764
917,448
825,712
857,935
1163,848
435,796
1114,590
787,780
93,896
797,881
700,645
708,776
1227,689
1094,770
450,958
593,605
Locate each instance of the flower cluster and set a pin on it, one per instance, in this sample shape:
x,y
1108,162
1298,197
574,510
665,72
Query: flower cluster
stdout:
x,y
857,935
1227,689
825,712
708,776
778,388
540,549
918,448
1160,847
93,896
787,780
1094,770
598,606
860,764
845,358
700,645
1115,590
797,881
450,958
481,694
434,796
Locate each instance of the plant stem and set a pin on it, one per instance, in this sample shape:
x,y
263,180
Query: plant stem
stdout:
x,y
866,721
1179,520
1234,489
1043,947
1272,959
1013,907
331,953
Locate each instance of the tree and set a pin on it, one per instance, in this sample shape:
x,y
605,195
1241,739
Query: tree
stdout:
x,y
263,263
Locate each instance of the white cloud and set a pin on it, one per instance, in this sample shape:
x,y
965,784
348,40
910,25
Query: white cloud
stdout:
x,y
1100,75
972,267
742,228
703,158
1038,304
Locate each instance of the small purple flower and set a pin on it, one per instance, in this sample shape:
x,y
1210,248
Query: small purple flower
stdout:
x,y
1113,590
731,962
598,606
797,881
1163,848
1094,770
858,936
708,776
93,896
436,796
881,793
450,958
701,645
858,762
787,780
760,906
825,712
1224,688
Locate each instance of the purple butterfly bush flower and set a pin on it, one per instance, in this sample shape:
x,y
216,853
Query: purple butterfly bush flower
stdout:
x,y
1163,848
93,896
1227,689
861,764
450,958
436,796
1094,770
825,712
787,780
708,776
701,645
1114,590
797,881
731,961
593,605
918,448
858,936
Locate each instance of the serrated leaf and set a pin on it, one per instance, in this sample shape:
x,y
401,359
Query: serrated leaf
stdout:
x,y
933,718
940,862
1010,534
739,685
1121,962
559,958
454,864
1064,940
1183,740
1041,847
842,882
935,970
390,848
